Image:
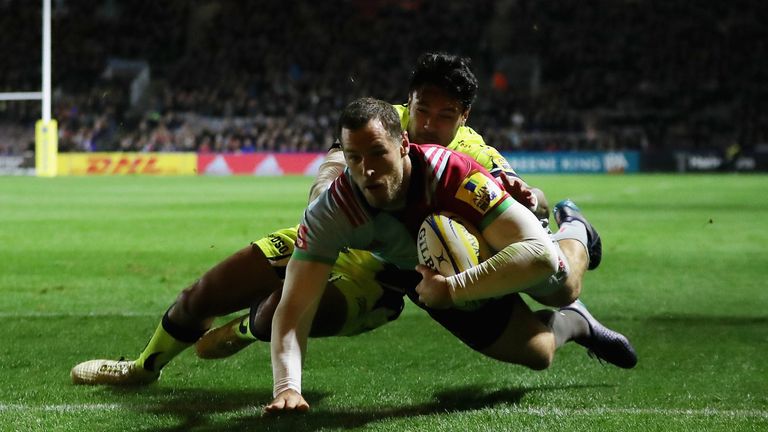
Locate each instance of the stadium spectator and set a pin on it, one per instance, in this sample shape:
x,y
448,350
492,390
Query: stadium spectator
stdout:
x,y
610,76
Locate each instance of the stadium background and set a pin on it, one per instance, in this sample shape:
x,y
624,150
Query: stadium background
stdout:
x,y
681,84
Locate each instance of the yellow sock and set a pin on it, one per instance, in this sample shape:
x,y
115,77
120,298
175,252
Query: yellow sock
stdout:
x,y
160,350
242,328
169,340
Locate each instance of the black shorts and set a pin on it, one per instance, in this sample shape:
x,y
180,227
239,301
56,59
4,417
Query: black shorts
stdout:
x,y
478,328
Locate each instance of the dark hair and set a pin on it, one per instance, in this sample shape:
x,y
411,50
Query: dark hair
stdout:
x,y
360,111
448,72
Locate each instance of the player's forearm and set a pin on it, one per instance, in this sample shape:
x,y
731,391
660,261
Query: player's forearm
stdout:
x,y
290,331
513,269
286,360
332,167
526,256
302,290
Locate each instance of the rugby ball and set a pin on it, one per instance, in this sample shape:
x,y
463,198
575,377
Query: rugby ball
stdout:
x,y
449,246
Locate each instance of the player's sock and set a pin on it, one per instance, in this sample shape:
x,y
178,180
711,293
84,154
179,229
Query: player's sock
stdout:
x,y
572,230
167,342
243,328
565,324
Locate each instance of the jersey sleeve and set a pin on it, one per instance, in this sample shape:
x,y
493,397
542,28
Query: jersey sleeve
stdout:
x,y
334,221
479,199
320,236
472,144
464,187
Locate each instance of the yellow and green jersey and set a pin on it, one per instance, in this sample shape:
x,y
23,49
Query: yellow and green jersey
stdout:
x,y
470,143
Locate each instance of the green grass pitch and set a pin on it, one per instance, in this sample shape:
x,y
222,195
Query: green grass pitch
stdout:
x,y
89,265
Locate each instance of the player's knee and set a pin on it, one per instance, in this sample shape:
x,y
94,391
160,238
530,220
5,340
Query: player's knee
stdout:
x,y
571,288
536,359
261,317
539,361
184,312
260,329
193,300
562,297
540,353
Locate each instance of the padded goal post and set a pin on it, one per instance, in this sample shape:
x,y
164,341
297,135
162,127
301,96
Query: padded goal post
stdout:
x,y
46,148
46,129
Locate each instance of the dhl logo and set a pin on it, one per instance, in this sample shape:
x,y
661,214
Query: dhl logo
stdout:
x,y
123,165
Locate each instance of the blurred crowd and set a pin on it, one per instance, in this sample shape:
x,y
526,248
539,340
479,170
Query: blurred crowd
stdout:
x,y
240,76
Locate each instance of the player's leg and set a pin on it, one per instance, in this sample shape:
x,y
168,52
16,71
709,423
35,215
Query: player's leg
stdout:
x,y
239,281
507,330
256,325
569,217
531,338
600,341
353,302
580,249
523,340
242,279
504,329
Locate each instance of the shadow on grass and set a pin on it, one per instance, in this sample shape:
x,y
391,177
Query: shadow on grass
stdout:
x,y
708,320
194,408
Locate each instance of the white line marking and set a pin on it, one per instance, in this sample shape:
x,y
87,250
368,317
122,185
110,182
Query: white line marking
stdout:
x,y
680,412
537,411
62,408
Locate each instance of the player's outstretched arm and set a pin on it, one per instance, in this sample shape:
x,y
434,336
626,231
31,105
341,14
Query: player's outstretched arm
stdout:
x,y
302,290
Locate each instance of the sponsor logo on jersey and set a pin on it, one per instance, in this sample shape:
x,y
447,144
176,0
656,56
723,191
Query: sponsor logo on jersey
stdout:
x,y
278,243
499,162
480,192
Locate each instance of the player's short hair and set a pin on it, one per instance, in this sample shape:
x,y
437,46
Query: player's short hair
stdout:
x,y
360,111
448,72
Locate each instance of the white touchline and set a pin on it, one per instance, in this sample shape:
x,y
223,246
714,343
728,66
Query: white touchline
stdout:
x,y
75,408
538,411
684,412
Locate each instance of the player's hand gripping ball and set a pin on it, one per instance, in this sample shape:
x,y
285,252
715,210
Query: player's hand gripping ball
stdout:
x,y
449,246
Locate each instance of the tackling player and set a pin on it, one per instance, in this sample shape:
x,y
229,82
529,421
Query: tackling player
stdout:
x,y
378,204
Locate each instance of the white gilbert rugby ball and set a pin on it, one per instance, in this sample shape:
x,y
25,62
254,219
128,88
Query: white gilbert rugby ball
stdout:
x,y
447,245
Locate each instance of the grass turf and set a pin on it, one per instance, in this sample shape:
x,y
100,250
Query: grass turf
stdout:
x,y
88,266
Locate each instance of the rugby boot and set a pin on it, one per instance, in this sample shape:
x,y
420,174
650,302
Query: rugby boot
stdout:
x,y
224,341
112,372
567,211
604,343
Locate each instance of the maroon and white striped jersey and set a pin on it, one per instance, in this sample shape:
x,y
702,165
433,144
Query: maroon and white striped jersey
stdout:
x,y
442,180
